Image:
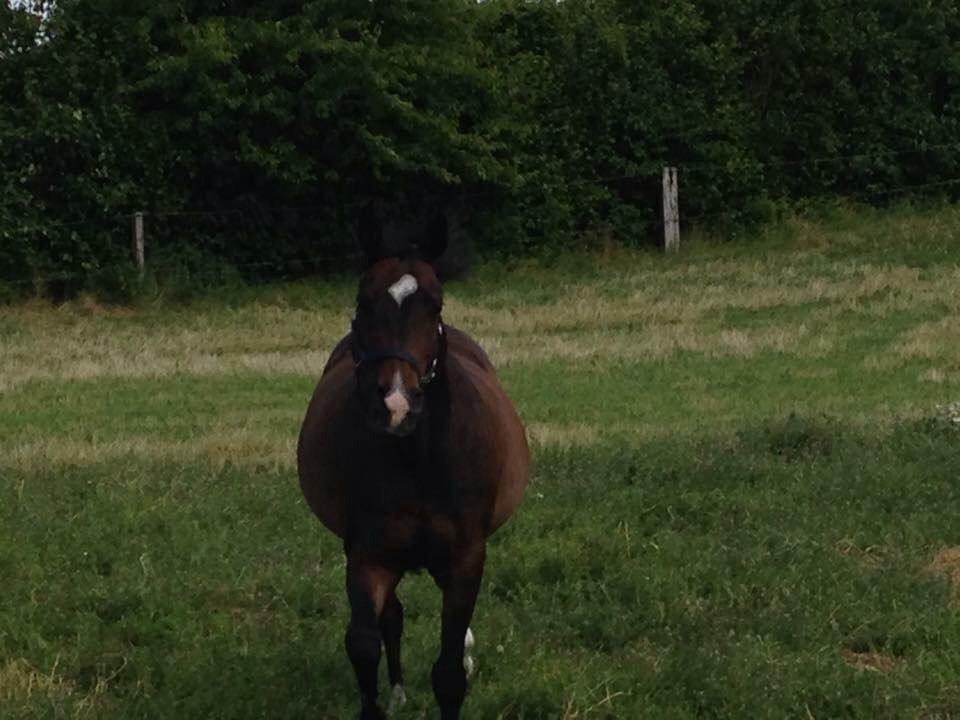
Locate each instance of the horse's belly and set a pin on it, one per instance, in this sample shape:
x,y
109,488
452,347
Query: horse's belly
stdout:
x,y
509,445
321,480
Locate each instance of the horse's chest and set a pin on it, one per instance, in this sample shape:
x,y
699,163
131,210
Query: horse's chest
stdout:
x,y
410,511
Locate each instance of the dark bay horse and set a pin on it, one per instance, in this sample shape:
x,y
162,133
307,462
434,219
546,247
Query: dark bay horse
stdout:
x,y
413,454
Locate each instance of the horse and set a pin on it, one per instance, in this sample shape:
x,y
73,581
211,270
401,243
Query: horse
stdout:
x,y
413,455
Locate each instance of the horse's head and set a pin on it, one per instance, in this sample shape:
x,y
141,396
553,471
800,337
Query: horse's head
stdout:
x,y
398,340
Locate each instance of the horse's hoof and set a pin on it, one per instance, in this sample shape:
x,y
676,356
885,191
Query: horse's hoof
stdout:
x,y
397,699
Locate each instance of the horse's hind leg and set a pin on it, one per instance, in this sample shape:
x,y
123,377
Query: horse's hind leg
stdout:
x,y
460,585
391,628
368,587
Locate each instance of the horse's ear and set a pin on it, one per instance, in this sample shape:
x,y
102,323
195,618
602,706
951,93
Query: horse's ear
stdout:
x,y
370,232
434,240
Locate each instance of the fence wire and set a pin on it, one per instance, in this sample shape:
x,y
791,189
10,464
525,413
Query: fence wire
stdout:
x,y
155,219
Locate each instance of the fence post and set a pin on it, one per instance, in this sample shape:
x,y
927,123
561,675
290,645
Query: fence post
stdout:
x,y
671,210
138,255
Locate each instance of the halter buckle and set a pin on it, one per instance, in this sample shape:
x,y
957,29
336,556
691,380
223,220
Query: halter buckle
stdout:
x,y
431,373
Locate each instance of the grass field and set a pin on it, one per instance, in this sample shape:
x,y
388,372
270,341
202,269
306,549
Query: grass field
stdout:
x,y
744,502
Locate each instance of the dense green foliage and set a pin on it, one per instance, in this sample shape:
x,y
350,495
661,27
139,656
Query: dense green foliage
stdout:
x,y
545,123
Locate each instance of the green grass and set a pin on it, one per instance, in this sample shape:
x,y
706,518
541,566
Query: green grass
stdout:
x,y
741,482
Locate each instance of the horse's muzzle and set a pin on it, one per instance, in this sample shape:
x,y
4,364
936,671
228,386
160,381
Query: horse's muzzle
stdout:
x,y
403,408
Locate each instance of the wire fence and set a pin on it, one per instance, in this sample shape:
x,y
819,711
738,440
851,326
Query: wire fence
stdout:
x,y
880,154
155,219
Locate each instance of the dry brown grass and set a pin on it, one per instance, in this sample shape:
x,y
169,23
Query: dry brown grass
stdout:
x,y
217,447
64,344
940,376
869,661
654,321
654,342
937,340
550,434
24,685
247,447
651,321
946,563
871,556
19,682
652,314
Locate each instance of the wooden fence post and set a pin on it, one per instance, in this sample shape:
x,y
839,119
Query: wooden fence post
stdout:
x,y
138,254
671,210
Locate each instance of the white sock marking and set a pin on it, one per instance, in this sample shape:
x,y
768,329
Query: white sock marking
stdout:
x,y
468,662
397,699
403,288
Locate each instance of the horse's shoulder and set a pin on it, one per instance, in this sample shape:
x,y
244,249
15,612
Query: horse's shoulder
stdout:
x,y
466,348
340,352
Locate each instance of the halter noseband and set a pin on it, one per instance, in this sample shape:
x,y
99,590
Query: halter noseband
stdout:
x,y
361,355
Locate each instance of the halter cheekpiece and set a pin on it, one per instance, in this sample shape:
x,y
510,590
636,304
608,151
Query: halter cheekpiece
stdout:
x,y
362,355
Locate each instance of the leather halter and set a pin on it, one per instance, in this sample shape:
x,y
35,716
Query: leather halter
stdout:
x,y
362,355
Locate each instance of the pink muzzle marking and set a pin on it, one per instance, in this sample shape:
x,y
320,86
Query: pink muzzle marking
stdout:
x,y
398,406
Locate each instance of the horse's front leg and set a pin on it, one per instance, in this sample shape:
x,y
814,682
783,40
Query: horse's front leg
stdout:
x,y
368,587
460,584
391,627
